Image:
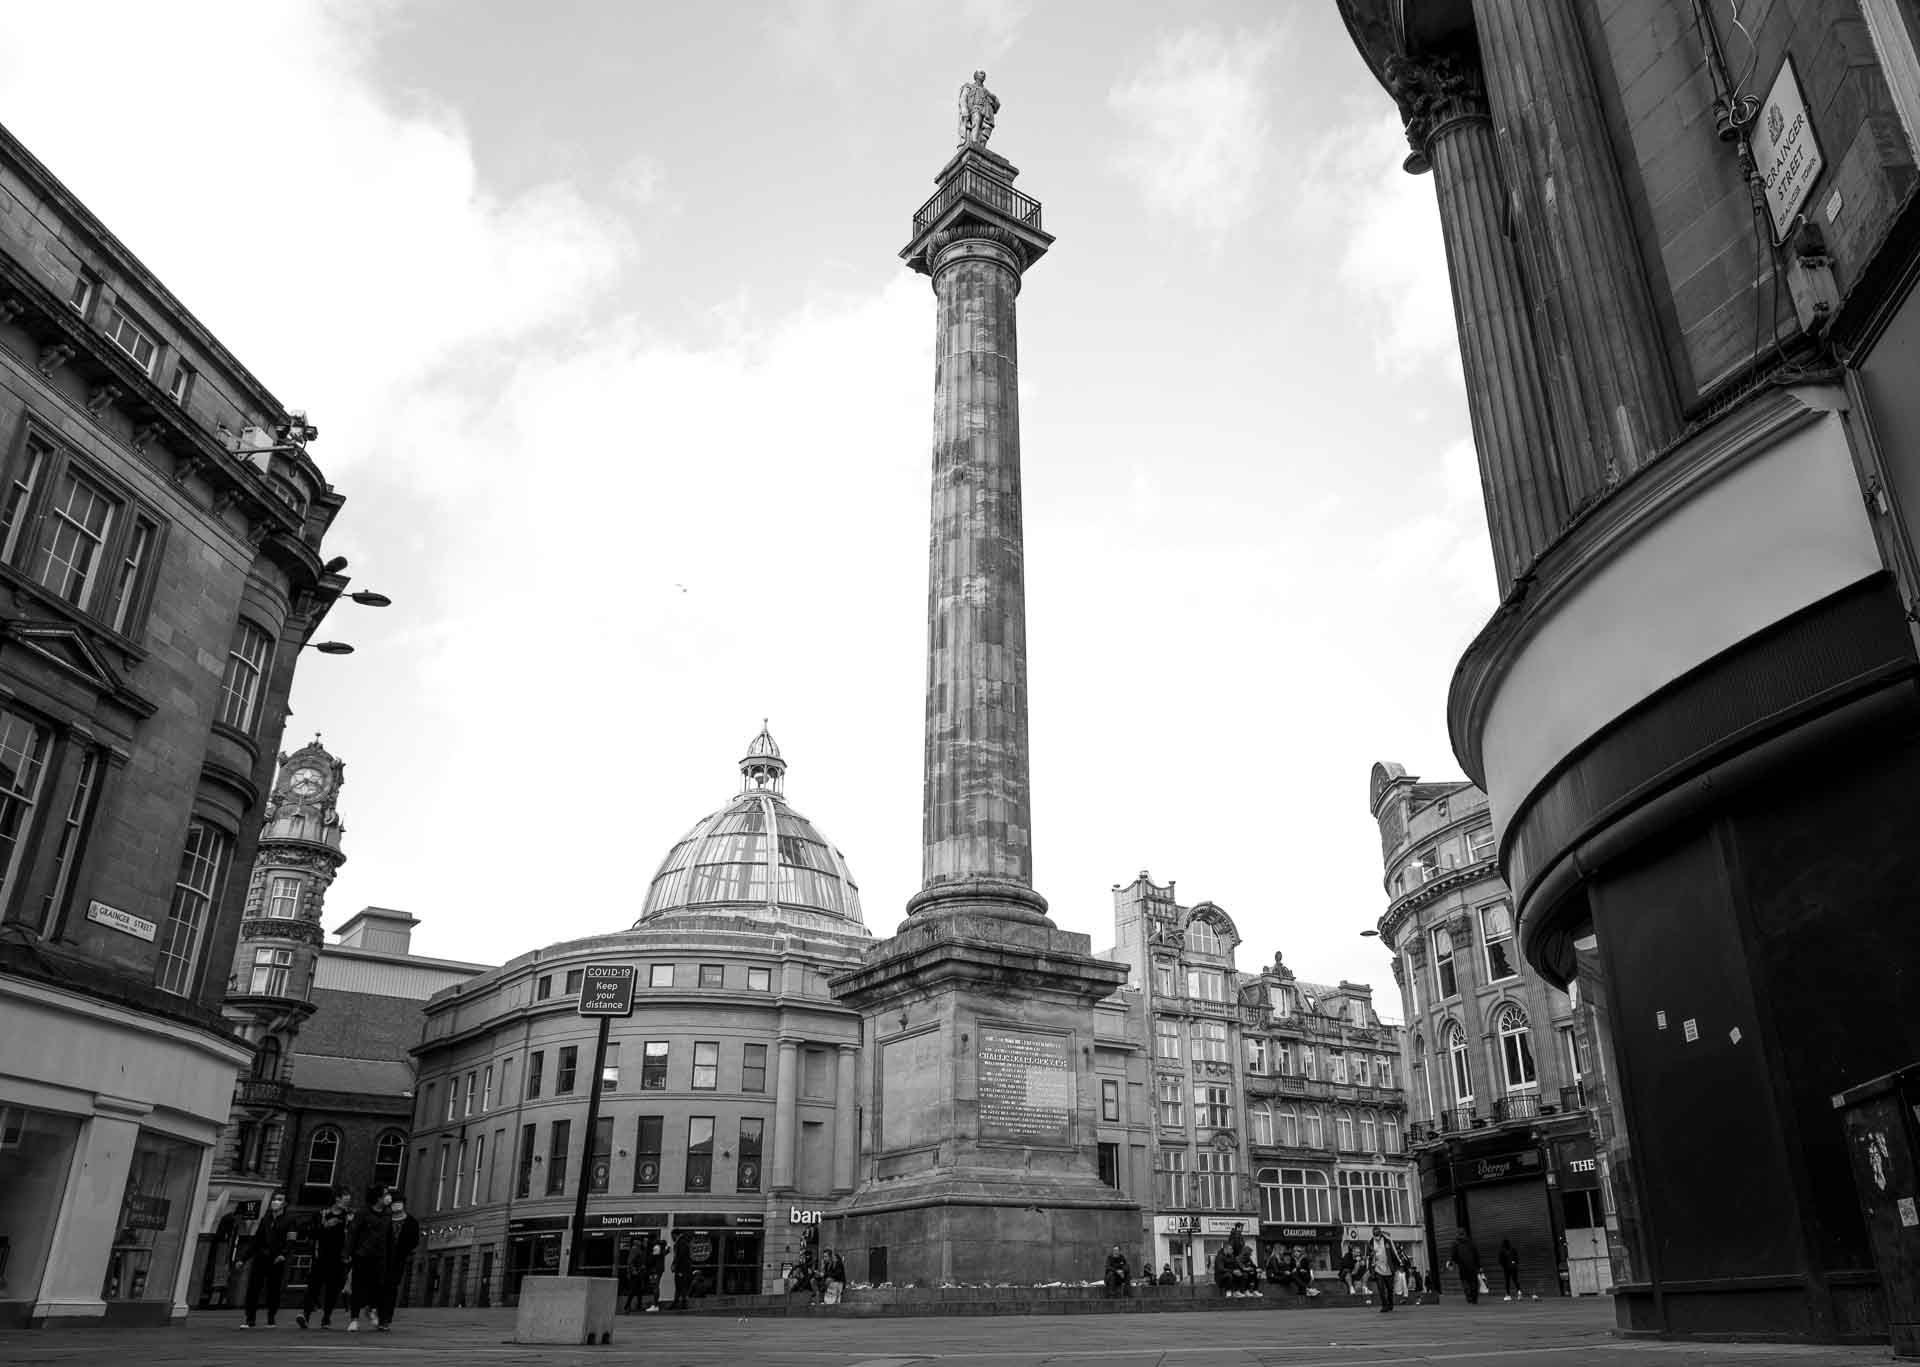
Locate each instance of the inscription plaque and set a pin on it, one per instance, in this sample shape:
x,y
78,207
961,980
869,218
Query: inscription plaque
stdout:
x,y
1026,1087
910,1091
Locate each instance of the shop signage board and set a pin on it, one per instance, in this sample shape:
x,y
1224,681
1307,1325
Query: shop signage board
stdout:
x,y
147,1212
607,990
1303,1233
123,921
1201,1224
1504,1167
536,1224
1785,152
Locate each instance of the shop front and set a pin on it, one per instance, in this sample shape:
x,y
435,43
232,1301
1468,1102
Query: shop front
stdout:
x,y
1188,1242
1411,1240
533,1250
447,1254
1503,1197
611,1240
1583,1216
1318,1245
726,1251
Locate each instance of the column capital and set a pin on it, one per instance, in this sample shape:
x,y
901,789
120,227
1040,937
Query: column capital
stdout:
x,y
1433,91
848,1048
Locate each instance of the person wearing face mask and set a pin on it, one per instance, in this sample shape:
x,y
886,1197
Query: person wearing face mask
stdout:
x,y
267,1260
406,1238
329,1271
370,1249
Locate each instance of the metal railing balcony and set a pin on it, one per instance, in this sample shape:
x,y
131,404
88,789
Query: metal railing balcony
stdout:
x,y
1521,1106
260,1091
993,193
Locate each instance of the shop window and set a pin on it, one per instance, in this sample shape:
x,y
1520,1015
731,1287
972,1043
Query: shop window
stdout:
x,y
156,1219
646,1152
36,1154
1295,1196
699,1153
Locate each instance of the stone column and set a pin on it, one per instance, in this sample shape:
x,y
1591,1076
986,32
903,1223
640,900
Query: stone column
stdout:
x,y
786,1114
90,1213
846,1136
1448,128
1607,367
976,837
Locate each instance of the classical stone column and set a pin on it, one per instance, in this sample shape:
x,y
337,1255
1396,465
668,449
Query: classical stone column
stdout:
x,y
976,834
846,1147
786,1113
1448,128
1608,370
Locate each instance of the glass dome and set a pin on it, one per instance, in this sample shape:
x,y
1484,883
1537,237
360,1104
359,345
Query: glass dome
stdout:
x,y
756,854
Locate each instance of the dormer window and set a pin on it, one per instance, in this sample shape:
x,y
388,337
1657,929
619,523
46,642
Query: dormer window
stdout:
x,y
1202,938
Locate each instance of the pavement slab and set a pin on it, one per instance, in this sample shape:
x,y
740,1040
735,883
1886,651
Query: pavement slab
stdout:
x,y
1547,1334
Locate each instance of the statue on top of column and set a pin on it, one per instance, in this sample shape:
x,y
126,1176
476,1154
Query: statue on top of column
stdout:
x,y
978,105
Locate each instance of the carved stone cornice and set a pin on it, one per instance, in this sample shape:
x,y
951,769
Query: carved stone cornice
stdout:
x,y
1433,91
281,928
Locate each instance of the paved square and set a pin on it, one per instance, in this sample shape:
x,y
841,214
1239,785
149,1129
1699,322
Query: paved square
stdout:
x,y
1561,1334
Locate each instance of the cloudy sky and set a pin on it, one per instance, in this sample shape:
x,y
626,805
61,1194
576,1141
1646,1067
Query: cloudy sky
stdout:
x,y
599,309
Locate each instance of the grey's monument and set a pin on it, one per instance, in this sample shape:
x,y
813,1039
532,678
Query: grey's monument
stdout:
x,y
979,1092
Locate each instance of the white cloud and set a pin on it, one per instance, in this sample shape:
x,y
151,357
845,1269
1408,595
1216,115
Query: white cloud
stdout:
x,y
1198,126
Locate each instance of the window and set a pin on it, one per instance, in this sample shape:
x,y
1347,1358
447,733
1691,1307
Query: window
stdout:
x,y
1337,1068
599,1155
575,976
1289,1135
323,1159
1260,1121
1173,1177
706,1065
1444,983
1212,1106
453,1096
660,975
1343,1129
473,1080
1166,1037
1412,977
1480,844
283,898
246,666
653,1066
1516,1048
203,865
1295,1196
1109,1099
1163,979
610,1069
182,383
1204,938
1210,1042
569,1065
646,1153
1309,1060
1389,1134
426,1102
133,564
16,807
271,970
1496,933
1213,1180
753,1068
479,1166
459,1170
1208,984
1457,1064
1375,1196
1429,865
1570,1051
486,1094
1172,1101
389,1152
544,988
1311,1129
131,338
759,980
1369,1133
1383,1071
558,1136
1257,1056
1108,1158
700,1153
77,524
523,1178
35,455
81,296
536,1068
746,1176
713,975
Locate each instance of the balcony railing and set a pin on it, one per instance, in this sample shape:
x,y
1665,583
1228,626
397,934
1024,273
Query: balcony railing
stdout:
x,y
1522,1106
988,191
260,1091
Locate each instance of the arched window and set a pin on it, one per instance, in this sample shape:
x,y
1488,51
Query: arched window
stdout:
x,y
1445,984
1457,1064
1313,1136
1423,1076
1389,1134
323,1159
1516,1048
1295,1196
1289,1127
1369,1133
266,1059
1203,938
1261,1119
389,1152
1343,1123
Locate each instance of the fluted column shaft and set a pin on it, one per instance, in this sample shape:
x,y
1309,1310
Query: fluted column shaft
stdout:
x,y
1608,372
786,1113
976,823
845,1131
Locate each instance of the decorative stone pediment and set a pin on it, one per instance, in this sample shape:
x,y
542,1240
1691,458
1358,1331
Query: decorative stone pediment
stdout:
x,y
67,648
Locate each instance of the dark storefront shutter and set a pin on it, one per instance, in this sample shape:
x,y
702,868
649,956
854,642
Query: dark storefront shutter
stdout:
x,y
1515,1211
1442,1229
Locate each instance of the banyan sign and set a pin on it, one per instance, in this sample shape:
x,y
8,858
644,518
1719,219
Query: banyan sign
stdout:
x,y
607,990
1785,151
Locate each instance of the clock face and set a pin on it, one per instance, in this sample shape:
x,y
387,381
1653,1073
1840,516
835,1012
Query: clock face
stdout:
x,y
306,782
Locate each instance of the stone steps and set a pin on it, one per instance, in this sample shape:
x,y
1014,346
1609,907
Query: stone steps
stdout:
x,y
891,1302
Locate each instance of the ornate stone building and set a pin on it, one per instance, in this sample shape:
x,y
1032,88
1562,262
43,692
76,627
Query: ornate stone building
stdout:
x,y
1497,1057
161,568
1683,245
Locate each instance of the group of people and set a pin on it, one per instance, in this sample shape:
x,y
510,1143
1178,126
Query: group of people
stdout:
x,y
1473,1281
361,1254
823,1279
644,1276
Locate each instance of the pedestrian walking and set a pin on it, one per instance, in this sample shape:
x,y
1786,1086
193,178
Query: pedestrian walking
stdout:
x,y
1510,1269
656,1273
329,1271
267,1259
682,1271
406,1238
633,1274
1384,1261
369,1253
1466,1261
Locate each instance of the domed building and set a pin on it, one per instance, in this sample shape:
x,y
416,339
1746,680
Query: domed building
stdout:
x,y
728,1111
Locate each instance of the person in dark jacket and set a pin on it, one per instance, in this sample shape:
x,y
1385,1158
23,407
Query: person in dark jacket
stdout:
x,y
682,1271
1166,1275
1510,1269
369,1253
267,1259
406,1238
656,1270
1383,1260
1118,1274
1466,1259
329,1271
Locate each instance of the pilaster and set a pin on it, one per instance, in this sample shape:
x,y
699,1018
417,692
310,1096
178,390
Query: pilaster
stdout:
x,y
786,1113
845,1150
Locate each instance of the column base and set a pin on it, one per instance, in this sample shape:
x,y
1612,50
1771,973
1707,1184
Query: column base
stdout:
x,y
981,896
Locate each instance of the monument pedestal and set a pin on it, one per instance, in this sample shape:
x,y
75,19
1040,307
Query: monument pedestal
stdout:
x,y
981,1104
